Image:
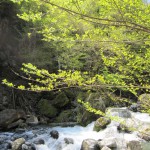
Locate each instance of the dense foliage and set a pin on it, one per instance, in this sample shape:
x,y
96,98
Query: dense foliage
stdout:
x,y
110,40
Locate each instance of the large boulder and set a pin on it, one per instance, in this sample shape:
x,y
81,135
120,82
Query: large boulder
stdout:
x,y
144,101
18,123
9,116
54,134
61,100
39,141
90,144
101,123
144,133
130,125
46,108
32,120
105,148
66,116
17,144
109,142
120,112
97,101
28,146
135,107
134,145
68,140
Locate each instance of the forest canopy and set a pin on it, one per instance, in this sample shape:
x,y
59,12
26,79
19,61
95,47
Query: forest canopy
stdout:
x,y
107,39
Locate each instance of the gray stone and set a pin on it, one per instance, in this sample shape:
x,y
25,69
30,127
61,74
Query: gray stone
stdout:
x,y
47,109
43,120
101,123
20,130
105,148
120,112
39,141
134,107
68,140
144,133
134,145
54,134
61,100
15,124
66,116
28,146
90,144
109,142
144,101
25,147
16,145
32,120
97,100
9,116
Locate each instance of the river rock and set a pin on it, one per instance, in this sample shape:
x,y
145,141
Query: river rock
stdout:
x,y
39,141
144,101
134,107
16,145
15,124
47,109
32,120
68,140
28,146
9,145
109,142
97,100
5,143
134,145
61,100
9,116
54,134
120,112
25,147
125,128
105,148
20,130
5,146
101,123
66,116
90,144
130,124
43,120
144,133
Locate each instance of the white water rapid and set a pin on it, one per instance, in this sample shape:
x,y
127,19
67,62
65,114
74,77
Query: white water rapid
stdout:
x,y
78,134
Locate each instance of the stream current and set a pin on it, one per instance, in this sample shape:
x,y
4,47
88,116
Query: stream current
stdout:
x,y
78,134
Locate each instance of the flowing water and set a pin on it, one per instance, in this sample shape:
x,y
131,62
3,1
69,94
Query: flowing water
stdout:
x,y
78,134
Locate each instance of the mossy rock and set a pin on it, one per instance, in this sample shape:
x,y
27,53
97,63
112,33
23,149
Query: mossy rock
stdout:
x,y
144,133
71,93
61,100
84,118
101,123
47,109
144,100
66,116
97,100
124,128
